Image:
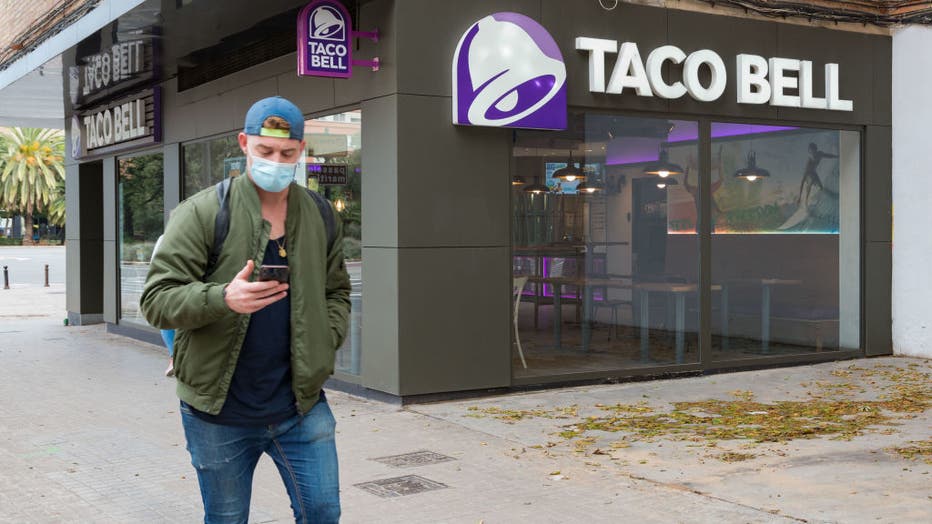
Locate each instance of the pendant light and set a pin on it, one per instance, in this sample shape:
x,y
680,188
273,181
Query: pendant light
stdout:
x,y
662,184
751,172
663,167
536,188
570,173
588,189
517,181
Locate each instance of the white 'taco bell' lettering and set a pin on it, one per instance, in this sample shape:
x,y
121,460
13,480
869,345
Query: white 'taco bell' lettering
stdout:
x,y
655,63
753,87
778,81
761,81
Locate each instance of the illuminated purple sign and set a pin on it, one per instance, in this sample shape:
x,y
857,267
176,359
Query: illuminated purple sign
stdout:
x,y
509,72
324,32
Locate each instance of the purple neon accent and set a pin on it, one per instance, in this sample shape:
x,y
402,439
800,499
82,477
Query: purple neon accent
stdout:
x,y
537,33
304,67
683,132
638,150
722,130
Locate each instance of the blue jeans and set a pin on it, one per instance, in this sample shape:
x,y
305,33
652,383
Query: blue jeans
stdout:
x,y
303,448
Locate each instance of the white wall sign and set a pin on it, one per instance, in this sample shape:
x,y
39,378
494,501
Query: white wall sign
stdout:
x,y
778,81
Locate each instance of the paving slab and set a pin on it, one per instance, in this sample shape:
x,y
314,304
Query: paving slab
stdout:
x,y
90,432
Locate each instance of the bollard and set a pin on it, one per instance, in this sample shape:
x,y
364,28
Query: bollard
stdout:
x,y
6,278
46,275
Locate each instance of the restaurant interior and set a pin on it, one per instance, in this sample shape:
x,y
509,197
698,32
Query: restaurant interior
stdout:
x,y
606,251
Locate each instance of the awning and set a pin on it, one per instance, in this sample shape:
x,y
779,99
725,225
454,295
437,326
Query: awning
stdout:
x,y
31,89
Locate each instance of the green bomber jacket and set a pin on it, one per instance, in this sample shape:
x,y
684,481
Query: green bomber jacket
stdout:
x,y
209,335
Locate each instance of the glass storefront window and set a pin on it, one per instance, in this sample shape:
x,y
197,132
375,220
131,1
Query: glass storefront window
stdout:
x,y
334,169
606,278
141,222
785,240
210,161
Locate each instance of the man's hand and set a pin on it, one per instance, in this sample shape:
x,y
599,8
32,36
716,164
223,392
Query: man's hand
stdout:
x,y
243,296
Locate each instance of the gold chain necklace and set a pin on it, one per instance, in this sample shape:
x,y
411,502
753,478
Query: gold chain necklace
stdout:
x,y
281,247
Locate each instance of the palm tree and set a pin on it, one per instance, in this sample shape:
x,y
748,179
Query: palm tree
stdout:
x,y
56,209
31,161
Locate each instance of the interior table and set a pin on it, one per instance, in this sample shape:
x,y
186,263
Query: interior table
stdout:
x,y
767,285
678,293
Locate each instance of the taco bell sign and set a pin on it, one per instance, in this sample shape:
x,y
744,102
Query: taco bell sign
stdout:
x,y
509,72
324,47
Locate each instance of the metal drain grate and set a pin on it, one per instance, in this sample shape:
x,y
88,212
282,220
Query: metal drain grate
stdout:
x,y
411,460
400,486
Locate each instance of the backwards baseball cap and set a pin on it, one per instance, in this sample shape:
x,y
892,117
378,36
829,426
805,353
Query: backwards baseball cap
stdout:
x,y
274,106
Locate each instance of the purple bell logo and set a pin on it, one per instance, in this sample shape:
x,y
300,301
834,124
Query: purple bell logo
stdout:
x,y
509,72
327,24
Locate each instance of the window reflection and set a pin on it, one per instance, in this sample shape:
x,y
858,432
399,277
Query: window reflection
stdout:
x,y
140,224
210,161
610,283
334,169
785,245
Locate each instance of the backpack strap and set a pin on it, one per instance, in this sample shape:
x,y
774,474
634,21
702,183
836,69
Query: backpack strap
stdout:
x,y
221,224
326,212
222,221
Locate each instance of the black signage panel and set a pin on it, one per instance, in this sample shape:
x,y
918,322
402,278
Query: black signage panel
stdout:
x,y
123,124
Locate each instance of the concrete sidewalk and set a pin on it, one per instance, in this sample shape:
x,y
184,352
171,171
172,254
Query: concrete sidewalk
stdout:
x,y
89,432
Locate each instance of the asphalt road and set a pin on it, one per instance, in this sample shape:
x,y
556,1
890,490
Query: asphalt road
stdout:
x,y
26,265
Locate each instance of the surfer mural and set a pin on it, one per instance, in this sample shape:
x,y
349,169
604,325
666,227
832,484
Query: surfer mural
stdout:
x,y
816,205
801,195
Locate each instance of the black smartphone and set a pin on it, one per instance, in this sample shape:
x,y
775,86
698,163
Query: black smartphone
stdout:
x,y
279,273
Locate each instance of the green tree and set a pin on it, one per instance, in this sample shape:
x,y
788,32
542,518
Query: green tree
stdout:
x,y
32,166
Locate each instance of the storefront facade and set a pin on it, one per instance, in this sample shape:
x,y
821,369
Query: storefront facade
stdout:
x,y
724,226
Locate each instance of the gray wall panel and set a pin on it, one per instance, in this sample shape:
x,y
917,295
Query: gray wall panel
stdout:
x,y
111,284
73,283
882,58
213,115
175,127
454,319
454,182
878,189
111,273
171,190
380,172
109,199
312,95
380,327
878,299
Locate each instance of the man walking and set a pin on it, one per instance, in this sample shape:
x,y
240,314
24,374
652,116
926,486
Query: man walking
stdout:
x,y
251,355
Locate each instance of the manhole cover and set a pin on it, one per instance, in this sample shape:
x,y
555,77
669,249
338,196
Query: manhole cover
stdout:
x,y
400,486
410,460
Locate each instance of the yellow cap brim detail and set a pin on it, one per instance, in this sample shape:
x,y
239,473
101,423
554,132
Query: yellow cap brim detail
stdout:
x,y
277,133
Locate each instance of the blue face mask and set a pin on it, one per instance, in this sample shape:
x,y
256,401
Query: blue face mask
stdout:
x,y
273,177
